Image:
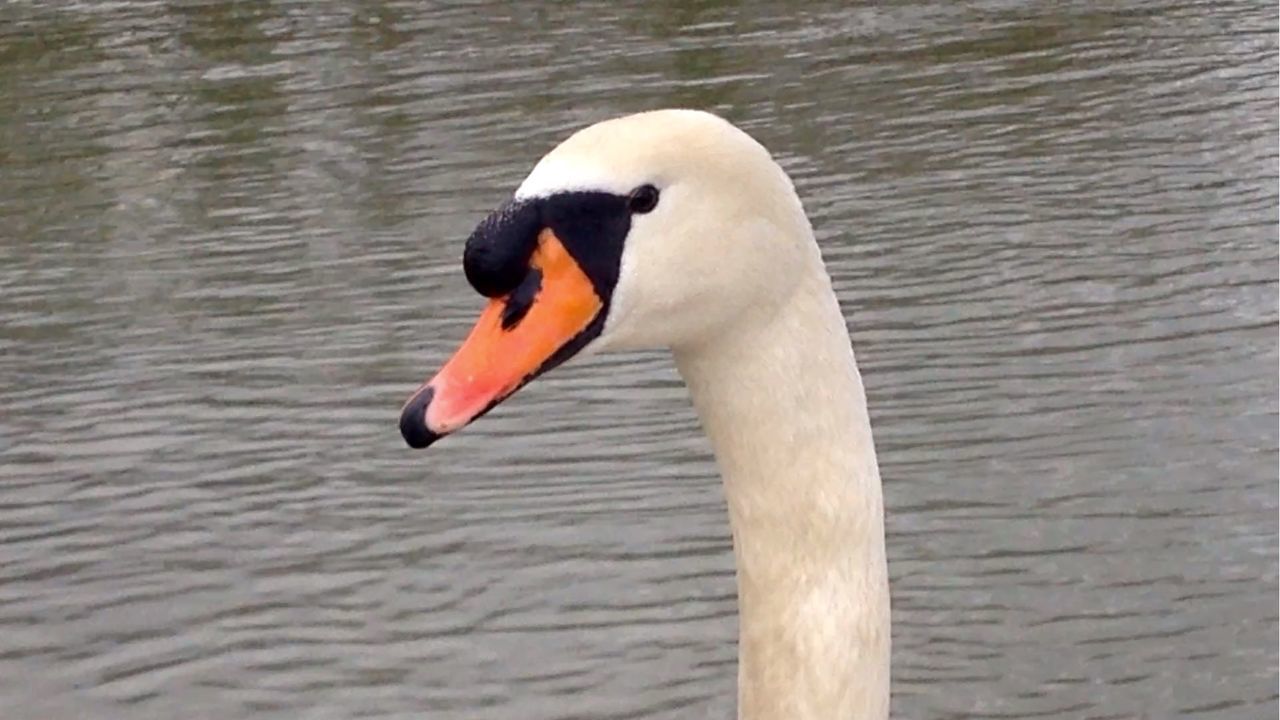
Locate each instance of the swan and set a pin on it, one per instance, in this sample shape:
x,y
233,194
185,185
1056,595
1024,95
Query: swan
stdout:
x,y
675,229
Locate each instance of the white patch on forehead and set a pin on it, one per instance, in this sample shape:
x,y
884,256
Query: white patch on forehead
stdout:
x,y
554,175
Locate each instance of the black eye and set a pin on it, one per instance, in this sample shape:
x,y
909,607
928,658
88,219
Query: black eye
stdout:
x,y
643,199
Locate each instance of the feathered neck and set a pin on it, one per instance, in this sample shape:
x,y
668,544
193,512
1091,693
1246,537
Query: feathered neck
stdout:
x,y
781,399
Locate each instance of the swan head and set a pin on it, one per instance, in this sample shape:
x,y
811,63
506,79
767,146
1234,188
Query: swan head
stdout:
x,y
657,230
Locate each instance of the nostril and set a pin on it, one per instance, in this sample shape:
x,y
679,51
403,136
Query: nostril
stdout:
x,y
521,299
413,420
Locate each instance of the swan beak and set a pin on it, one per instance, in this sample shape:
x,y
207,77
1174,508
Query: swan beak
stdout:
x,y
552,314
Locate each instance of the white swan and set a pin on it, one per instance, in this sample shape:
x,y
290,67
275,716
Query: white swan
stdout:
x,y
675,229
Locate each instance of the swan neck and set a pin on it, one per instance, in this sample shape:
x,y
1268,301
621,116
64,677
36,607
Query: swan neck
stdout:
x,y
782,402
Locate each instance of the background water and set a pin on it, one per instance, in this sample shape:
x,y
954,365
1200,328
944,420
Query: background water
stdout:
x,y
229,247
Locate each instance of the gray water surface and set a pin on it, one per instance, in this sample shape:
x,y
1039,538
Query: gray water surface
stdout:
x,y
229,248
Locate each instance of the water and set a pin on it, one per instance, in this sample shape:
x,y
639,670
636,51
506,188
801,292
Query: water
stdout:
x,y
229,249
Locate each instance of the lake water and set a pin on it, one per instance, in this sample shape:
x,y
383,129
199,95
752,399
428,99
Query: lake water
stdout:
x,y
229,248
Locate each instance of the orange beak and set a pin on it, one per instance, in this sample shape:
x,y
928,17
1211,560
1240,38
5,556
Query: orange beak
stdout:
x,y
518,336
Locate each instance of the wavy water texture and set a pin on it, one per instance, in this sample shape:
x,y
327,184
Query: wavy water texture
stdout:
x,y
230,248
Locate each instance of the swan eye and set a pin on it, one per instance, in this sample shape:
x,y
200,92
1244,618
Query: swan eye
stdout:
x,y
643,199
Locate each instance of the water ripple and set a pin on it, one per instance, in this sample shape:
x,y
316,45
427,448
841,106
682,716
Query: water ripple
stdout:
x,y
231,247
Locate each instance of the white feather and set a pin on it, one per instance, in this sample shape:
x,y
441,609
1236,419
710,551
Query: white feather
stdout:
x,y
726,273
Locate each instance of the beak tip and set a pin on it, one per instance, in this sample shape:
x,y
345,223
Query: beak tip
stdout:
x,y
413,420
